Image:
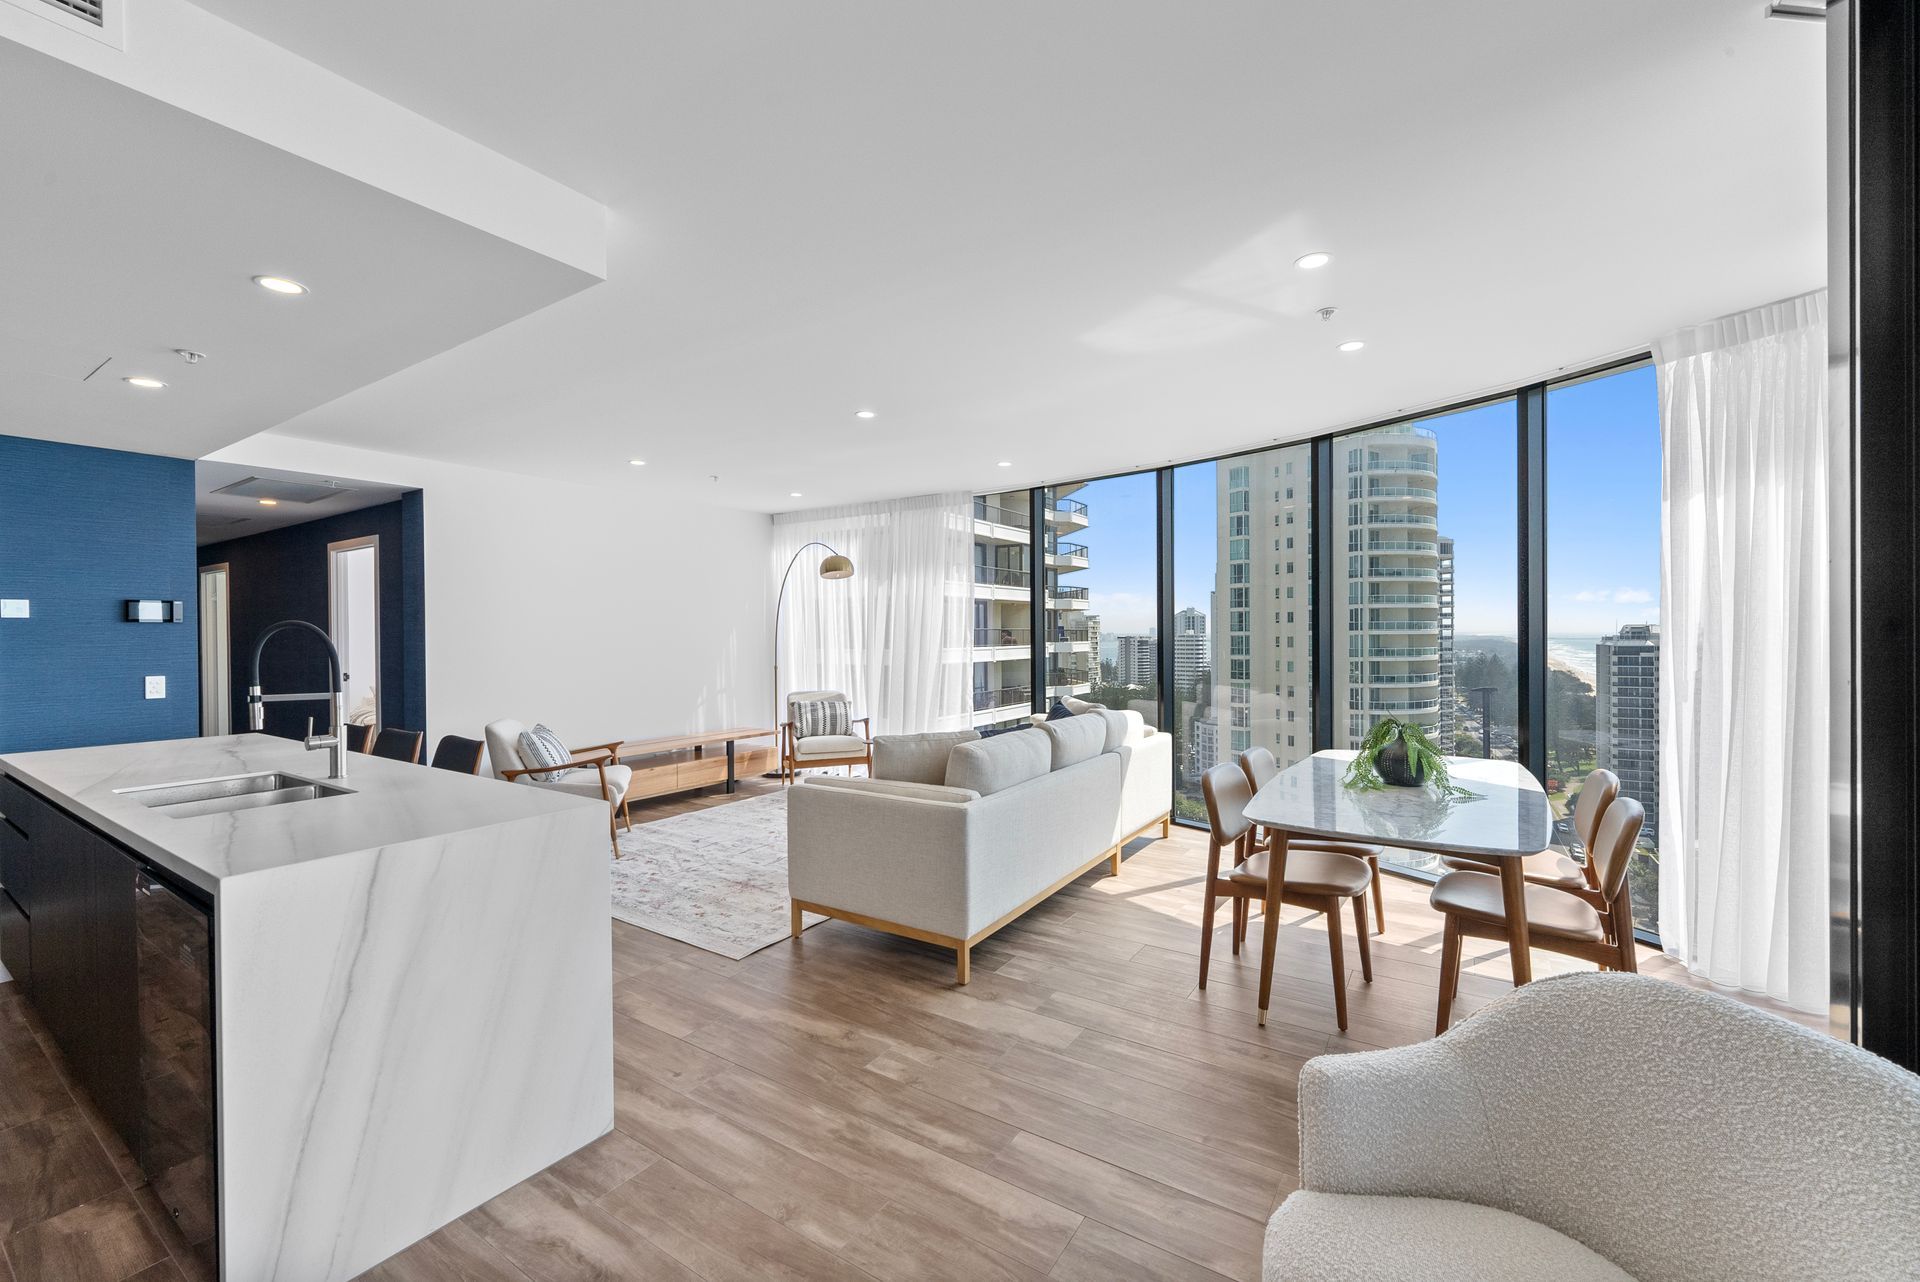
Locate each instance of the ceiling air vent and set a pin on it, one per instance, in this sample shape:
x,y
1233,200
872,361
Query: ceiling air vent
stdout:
x,y
266,487
87,10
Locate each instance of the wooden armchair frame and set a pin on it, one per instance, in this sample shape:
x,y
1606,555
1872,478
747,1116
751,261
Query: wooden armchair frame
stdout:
x,y
791,765
599,756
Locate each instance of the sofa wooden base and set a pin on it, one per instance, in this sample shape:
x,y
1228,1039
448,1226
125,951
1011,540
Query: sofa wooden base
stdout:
x,y
963,948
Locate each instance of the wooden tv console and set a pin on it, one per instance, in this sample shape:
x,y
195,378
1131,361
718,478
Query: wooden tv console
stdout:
x,y
681,762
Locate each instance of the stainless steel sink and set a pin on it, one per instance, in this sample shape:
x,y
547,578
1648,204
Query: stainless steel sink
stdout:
x,y
194,797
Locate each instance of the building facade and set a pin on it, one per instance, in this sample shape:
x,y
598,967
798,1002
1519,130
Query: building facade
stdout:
x,y
1003,616
1626,715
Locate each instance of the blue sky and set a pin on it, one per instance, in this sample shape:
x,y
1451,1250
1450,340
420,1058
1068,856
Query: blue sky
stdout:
x,y
1603,495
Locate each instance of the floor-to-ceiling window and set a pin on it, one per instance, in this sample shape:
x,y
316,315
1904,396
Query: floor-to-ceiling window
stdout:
x,y
1419,600
1101,592
1242,630
1603,604
1002,607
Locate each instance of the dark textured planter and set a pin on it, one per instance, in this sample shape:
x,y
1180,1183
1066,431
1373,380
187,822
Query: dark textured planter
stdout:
x,y
1391,762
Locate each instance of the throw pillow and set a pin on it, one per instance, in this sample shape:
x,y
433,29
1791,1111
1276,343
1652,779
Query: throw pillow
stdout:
x,y
822,716
542,747
1059,711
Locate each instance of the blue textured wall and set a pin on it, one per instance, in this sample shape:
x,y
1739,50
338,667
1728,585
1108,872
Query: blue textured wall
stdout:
x,y
82,530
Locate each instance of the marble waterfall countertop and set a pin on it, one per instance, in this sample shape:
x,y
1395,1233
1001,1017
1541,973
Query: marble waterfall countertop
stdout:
x,y
388,803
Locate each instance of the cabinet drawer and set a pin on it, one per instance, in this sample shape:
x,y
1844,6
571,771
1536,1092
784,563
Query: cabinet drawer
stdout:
x,y
15,949
16,864
25,808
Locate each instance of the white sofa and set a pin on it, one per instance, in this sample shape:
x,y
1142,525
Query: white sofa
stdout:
x,y
968,833
1605,1127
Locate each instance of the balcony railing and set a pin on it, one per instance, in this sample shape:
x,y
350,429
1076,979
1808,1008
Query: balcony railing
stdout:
x,y
1375,490
1403,598
1071,508
1403,705
1067,594
1000,576
1422,466
1002,636
1009,697
1073,634
1068,552
1404,625
1404,679
1020,518
1402,518
1403,652
1402,545
1401,572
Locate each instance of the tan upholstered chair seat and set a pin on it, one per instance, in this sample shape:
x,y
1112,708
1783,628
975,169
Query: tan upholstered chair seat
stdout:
x,y
1548,868
1549,911
1309,872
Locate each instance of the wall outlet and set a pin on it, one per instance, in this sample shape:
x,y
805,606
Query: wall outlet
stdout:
x,y
156,687
14,609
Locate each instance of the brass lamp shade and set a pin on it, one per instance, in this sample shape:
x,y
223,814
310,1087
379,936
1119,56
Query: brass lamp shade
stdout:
x,y
836,567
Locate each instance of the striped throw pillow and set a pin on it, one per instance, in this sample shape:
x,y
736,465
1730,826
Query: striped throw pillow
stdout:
x,y
822,716
542,747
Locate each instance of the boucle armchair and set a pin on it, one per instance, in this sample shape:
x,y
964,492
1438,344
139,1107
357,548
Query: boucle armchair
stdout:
x,y
1608,1126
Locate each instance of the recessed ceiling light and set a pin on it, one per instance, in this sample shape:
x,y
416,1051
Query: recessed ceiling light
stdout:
x,y
863,414
793,494
1352,345
280,284
1307,262
269,502
141,380
636,462
1006,463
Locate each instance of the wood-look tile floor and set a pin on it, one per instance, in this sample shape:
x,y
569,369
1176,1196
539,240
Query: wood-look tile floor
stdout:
x,y
837,1108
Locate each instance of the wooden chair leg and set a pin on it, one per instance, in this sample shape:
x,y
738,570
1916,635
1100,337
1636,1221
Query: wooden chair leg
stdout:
x,y
965,963
1360,932
1239,924
1332,909
1449,973
1206,933
1379,896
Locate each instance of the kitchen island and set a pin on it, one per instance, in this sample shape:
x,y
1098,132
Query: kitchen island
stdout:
x,y
355,1008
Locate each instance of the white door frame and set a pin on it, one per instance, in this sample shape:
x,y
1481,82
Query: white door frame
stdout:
x,y
333,616
216,653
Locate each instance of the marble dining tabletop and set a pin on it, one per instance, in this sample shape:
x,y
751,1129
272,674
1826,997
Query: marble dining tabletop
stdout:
x,y
1507,815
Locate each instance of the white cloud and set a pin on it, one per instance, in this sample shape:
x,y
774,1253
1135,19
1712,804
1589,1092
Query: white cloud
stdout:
x,y
1632,596
1613,596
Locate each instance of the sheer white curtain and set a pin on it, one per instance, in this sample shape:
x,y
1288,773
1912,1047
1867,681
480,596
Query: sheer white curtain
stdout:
x,y
894,636
1744,655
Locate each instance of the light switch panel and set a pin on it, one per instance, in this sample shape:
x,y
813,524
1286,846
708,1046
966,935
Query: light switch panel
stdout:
x,y
156,687
14,609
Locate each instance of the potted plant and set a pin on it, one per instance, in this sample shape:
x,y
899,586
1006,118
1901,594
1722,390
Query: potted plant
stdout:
x,y
1399,754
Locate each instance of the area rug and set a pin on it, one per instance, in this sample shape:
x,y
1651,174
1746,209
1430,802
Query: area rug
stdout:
x,y
715,878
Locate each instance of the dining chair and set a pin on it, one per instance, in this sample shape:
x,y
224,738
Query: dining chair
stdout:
x,y
1550,867
399,745
1259,766
455,753
1561,921
359,737
1317,880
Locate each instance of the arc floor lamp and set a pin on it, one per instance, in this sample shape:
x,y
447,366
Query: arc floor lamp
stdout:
x,y
832,566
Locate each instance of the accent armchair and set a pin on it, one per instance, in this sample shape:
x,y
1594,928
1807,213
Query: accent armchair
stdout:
x,y
1605,1128
801,751
593,772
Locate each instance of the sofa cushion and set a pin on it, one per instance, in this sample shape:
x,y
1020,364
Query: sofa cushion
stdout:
x,y
917,758
1060,711
1075,739
586,783
542,747
988,766
1351,1237
894,788
1077,706
829,745
815,717
1122,727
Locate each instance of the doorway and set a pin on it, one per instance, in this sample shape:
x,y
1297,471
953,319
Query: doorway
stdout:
x,y
353,615
216,652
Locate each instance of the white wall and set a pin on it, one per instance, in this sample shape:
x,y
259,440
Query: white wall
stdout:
x,y
604,612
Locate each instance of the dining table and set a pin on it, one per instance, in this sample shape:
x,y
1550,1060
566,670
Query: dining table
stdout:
x,y
1500,816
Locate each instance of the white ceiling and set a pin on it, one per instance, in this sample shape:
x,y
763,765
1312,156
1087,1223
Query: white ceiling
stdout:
x,y
219,517
1062,234
133,228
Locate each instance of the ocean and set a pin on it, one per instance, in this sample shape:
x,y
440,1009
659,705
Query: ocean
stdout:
x,y
1574,654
